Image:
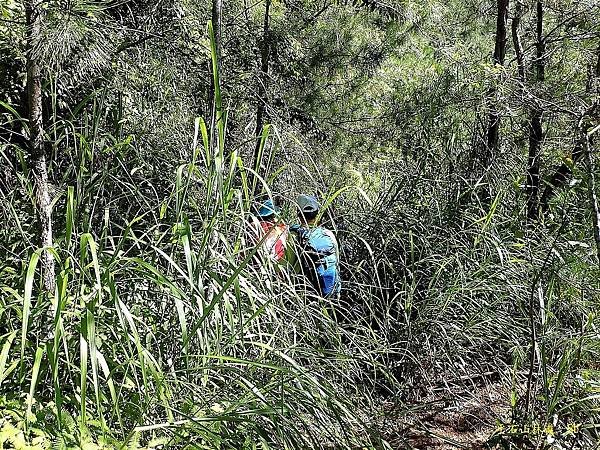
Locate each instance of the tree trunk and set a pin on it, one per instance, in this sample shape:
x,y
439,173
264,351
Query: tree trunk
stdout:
x,y
492,135
533,164
516,38
33,18
535,125
262,87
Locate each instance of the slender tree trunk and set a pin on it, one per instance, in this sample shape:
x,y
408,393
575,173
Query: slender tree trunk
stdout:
x,y
535,124
533,164
33,17
492,134
516,38
262,86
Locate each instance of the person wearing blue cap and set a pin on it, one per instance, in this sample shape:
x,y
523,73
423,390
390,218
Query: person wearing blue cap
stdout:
x,y
317,249
269,230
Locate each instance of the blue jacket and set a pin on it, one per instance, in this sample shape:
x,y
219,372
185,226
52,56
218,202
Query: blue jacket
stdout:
x,y
319,258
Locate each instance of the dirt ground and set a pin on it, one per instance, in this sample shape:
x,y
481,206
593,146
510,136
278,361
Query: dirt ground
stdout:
x,y
460,420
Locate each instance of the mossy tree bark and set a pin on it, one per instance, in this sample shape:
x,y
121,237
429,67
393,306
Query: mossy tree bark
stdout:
x,y
39,170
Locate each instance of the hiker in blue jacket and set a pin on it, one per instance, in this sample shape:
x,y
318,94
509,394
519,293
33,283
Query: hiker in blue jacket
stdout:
x,y
316,249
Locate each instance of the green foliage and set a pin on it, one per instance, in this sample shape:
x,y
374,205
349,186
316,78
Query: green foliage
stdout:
x,y
159,330
167,330
39,429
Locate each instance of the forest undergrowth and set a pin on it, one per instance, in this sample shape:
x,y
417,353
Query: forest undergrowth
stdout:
x,y
165,329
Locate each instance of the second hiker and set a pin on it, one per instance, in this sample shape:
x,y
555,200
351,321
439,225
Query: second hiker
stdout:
x,y
269,231
316,249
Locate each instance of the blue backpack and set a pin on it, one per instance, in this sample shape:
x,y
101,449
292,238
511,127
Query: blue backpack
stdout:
x,y
319,259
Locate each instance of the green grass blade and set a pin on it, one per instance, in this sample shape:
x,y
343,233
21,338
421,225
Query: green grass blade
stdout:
x,y
259,157
70,221
111,385
34,378
4,356
10,109
83,369
29,278
87,241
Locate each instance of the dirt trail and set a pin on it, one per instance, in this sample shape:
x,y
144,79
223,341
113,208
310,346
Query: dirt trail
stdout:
x,y
462,420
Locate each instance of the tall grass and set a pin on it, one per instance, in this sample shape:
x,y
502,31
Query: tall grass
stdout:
x,y
449,289
168,325
167,328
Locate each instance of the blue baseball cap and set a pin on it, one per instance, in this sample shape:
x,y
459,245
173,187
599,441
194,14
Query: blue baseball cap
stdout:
x,y
308,203
266,209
